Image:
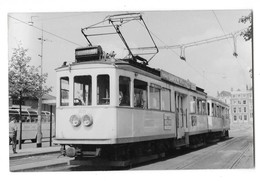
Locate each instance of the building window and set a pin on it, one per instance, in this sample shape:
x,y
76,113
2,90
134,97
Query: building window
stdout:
x,y
103,93
140,94
166,99
239,109
245,117
82,90
64,91
124,91
244,109
239,102
244,101
235,109
235,117
234,101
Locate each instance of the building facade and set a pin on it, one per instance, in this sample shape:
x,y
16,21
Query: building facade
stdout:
x,y
241,105
32,103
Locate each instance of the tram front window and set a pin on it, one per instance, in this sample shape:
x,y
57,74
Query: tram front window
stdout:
x,y
124,91
103,93
82,90
64,91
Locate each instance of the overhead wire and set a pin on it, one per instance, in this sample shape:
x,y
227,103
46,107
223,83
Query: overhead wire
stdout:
x,y
234,39
178,46
60,17
41,29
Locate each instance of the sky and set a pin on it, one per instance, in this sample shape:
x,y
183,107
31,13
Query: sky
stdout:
x,y
211,66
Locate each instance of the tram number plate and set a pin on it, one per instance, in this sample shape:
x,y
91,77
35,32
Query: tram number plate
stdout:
x,y
167,121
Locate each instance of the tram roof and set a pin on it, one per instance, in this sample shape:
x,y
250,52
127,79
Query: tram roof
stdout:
x,y
217,100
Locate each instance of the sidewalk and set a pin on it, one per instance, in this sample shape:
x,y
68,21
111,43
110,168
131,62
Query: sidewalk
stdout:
x,y
26,152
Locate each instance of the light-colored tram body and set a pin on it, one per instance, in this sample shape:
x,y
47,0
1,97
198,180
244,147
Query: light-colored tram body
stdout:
x,y
218,116
109,107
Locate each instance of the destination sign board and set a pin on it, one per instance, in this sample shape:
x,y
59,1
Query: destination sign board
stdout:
x,y
88,53
177,80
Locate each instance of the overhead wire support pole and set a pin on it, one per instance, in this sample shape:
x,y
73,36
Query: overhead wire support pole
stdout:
x,y
39,125
30,24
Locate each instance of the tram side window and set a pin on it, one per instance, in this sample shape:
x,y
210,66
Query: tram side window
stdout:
x,y
140,94
154,98
193,107
222,112
124,91
82,90
103,93
166,99
208,108
64,91
204,110
199,106
213,110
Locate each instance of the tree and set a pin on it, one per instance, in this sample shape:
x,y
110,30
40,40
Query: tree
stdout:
x,y
25,80
248,33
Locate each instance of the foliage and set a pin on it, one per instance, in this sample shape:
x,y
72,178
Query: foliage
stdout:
x,y
23,78
248,33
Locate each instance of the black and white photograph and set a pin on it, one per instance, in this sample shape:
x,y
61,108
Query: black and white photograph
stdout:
x,y
131,90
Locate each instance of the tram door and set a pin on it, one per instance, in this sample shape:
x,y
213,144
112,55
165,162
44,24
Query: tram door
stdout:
x,y
181,114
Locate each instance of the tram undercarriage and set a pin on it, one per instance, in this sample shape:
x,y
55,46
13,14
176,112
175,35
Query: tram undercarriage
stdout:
x,y
121,155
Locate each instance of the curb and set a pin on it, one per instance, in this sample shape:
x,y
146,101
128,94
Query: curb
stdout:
x,y
24,155
39,165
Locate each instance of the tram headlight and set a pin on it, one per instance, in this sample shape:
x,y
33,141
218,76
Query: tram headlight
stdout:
x,y
87,120
75,120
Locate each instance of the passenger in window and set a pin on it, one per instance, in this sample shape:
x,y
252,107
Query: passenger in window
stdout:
x,y
138,99
123,99
78,102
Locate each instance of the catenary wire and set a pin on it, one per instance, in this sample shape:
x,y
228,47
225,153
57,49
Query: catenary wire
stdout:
x,y
41,29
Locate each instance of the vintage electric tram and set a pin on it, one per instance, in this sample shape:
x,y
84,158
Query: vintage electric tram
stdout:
x,y
119,109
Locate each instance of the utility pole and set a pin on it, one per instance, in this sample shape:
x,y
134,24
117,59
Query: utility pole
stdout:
x,y
39,124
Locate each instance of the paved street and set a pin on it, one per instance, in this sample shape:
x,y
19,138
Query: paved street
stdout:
x,y
233,153
237,152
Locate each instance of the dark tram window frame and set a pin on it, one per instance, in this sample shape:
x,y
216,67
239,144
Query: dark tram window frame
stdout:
x,y
157,105
103,98
170,100
139,102
67,91
86,98
124,91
